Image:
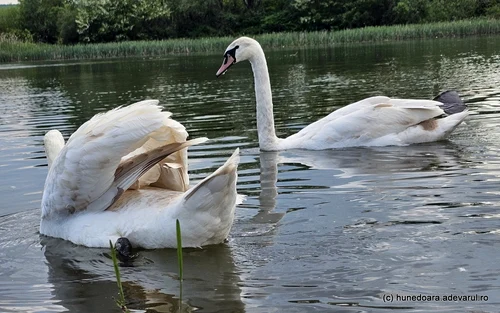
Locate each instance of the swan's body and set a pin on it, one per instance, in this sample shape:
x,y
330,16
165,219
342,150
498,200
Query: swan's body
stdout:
x,y
89,197
375,121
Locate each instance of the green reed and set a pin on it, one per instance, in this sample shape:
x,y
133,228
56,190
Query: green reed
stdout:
x,y
12,50
121,303
179,260
179,250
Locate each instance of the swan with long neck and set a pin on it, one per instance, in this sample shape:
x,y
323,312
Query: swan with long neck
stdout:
x,y
95,189
374,121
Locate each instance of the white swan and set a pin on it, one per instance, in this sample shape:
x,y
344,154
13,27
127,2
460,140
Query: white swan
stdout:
x,y
375,121
87,197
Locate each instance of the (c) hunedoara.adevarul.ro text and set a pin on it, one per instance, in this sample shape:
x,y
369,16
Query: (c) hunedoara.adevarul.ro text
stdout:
x,y
394,297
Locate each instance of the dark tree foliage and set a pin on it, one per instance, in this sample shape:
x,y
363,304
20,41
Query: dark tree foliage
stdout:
x,y
361,13
410,11
40,17
73,21
278,16
66,25
196,18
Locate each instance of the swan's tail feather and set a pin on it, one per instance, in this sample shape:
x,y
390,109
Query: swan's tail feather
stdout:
x,y
451,102
449,123
456,110
433,129
228,169
215,197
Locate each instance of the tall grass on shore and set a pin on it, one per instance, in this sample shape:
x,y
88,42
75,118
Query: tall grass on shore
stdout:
x,y
11,50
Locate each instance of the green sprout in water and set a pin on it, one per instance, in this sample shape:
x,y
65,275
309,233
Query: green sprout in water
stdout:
x,y
119,302
179,249
179,260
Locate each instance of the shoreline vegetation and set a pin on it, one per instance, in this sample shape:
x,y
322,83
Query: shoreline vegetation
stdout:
x,y
13,50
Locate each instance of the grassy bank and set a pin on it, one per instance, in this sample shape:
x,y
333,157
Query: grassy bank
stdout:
x,y
12,50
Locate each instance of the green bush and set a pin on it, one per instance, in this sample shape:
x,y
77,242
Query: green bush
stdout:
x,y
40,18
410,11
117,20
451,10
9,18
66,25
494,11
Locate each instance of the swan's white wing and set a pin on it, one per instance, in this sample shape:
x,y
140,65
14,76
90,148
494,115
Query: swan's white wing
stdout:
x,y
359,105
381,100
385,118
374,118
85,168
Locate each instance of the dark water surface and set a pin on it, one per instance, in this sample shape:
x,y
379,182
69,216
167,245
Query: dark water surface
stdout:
x,y
337,231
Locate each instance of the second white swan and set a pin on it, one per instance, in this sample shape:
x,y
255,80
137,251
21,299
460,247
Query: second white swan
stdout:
x,y
374,121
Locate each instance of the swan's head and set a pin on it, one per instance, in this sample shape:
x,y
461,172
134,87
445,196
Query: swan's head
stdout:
x,y
239,50
53,142
123,248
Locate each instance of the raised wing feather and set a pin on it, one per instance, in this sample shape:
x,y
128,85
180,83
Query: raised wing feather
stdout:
x,y
128,172
85,168
170,173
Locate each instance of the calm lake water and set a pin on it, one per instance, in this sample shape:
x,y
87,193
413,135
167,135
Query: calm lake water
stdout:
x,y
337,231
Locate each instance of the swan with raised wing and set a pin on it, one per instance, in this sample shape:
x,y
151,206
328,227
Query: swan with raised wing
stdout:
x,y
374,121
123,173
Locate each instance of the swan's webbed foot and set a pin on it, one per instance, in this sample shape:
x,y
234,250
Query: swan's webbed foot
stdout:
x,y
123,248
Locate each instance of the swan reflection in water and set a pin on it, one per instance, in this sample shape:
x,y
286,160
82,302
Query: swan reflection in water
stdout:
x,y
377,160
299,179
83,279
332,168
296,179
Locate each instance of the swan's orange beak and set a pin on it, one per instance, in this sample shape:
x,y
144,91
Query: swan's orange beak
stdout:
x,y
228,61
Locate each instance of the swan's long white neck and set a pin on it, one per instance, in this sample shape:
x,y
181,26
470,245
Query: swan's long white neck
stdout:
x,y
263,95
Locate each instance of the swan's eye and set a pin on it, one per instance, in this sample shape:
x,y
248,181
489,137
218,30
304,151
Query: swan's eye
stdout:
x,y
231,53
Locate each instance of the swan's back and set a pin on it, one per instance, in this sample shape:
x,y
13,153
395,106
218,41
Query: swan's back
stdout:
x,y
377,121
